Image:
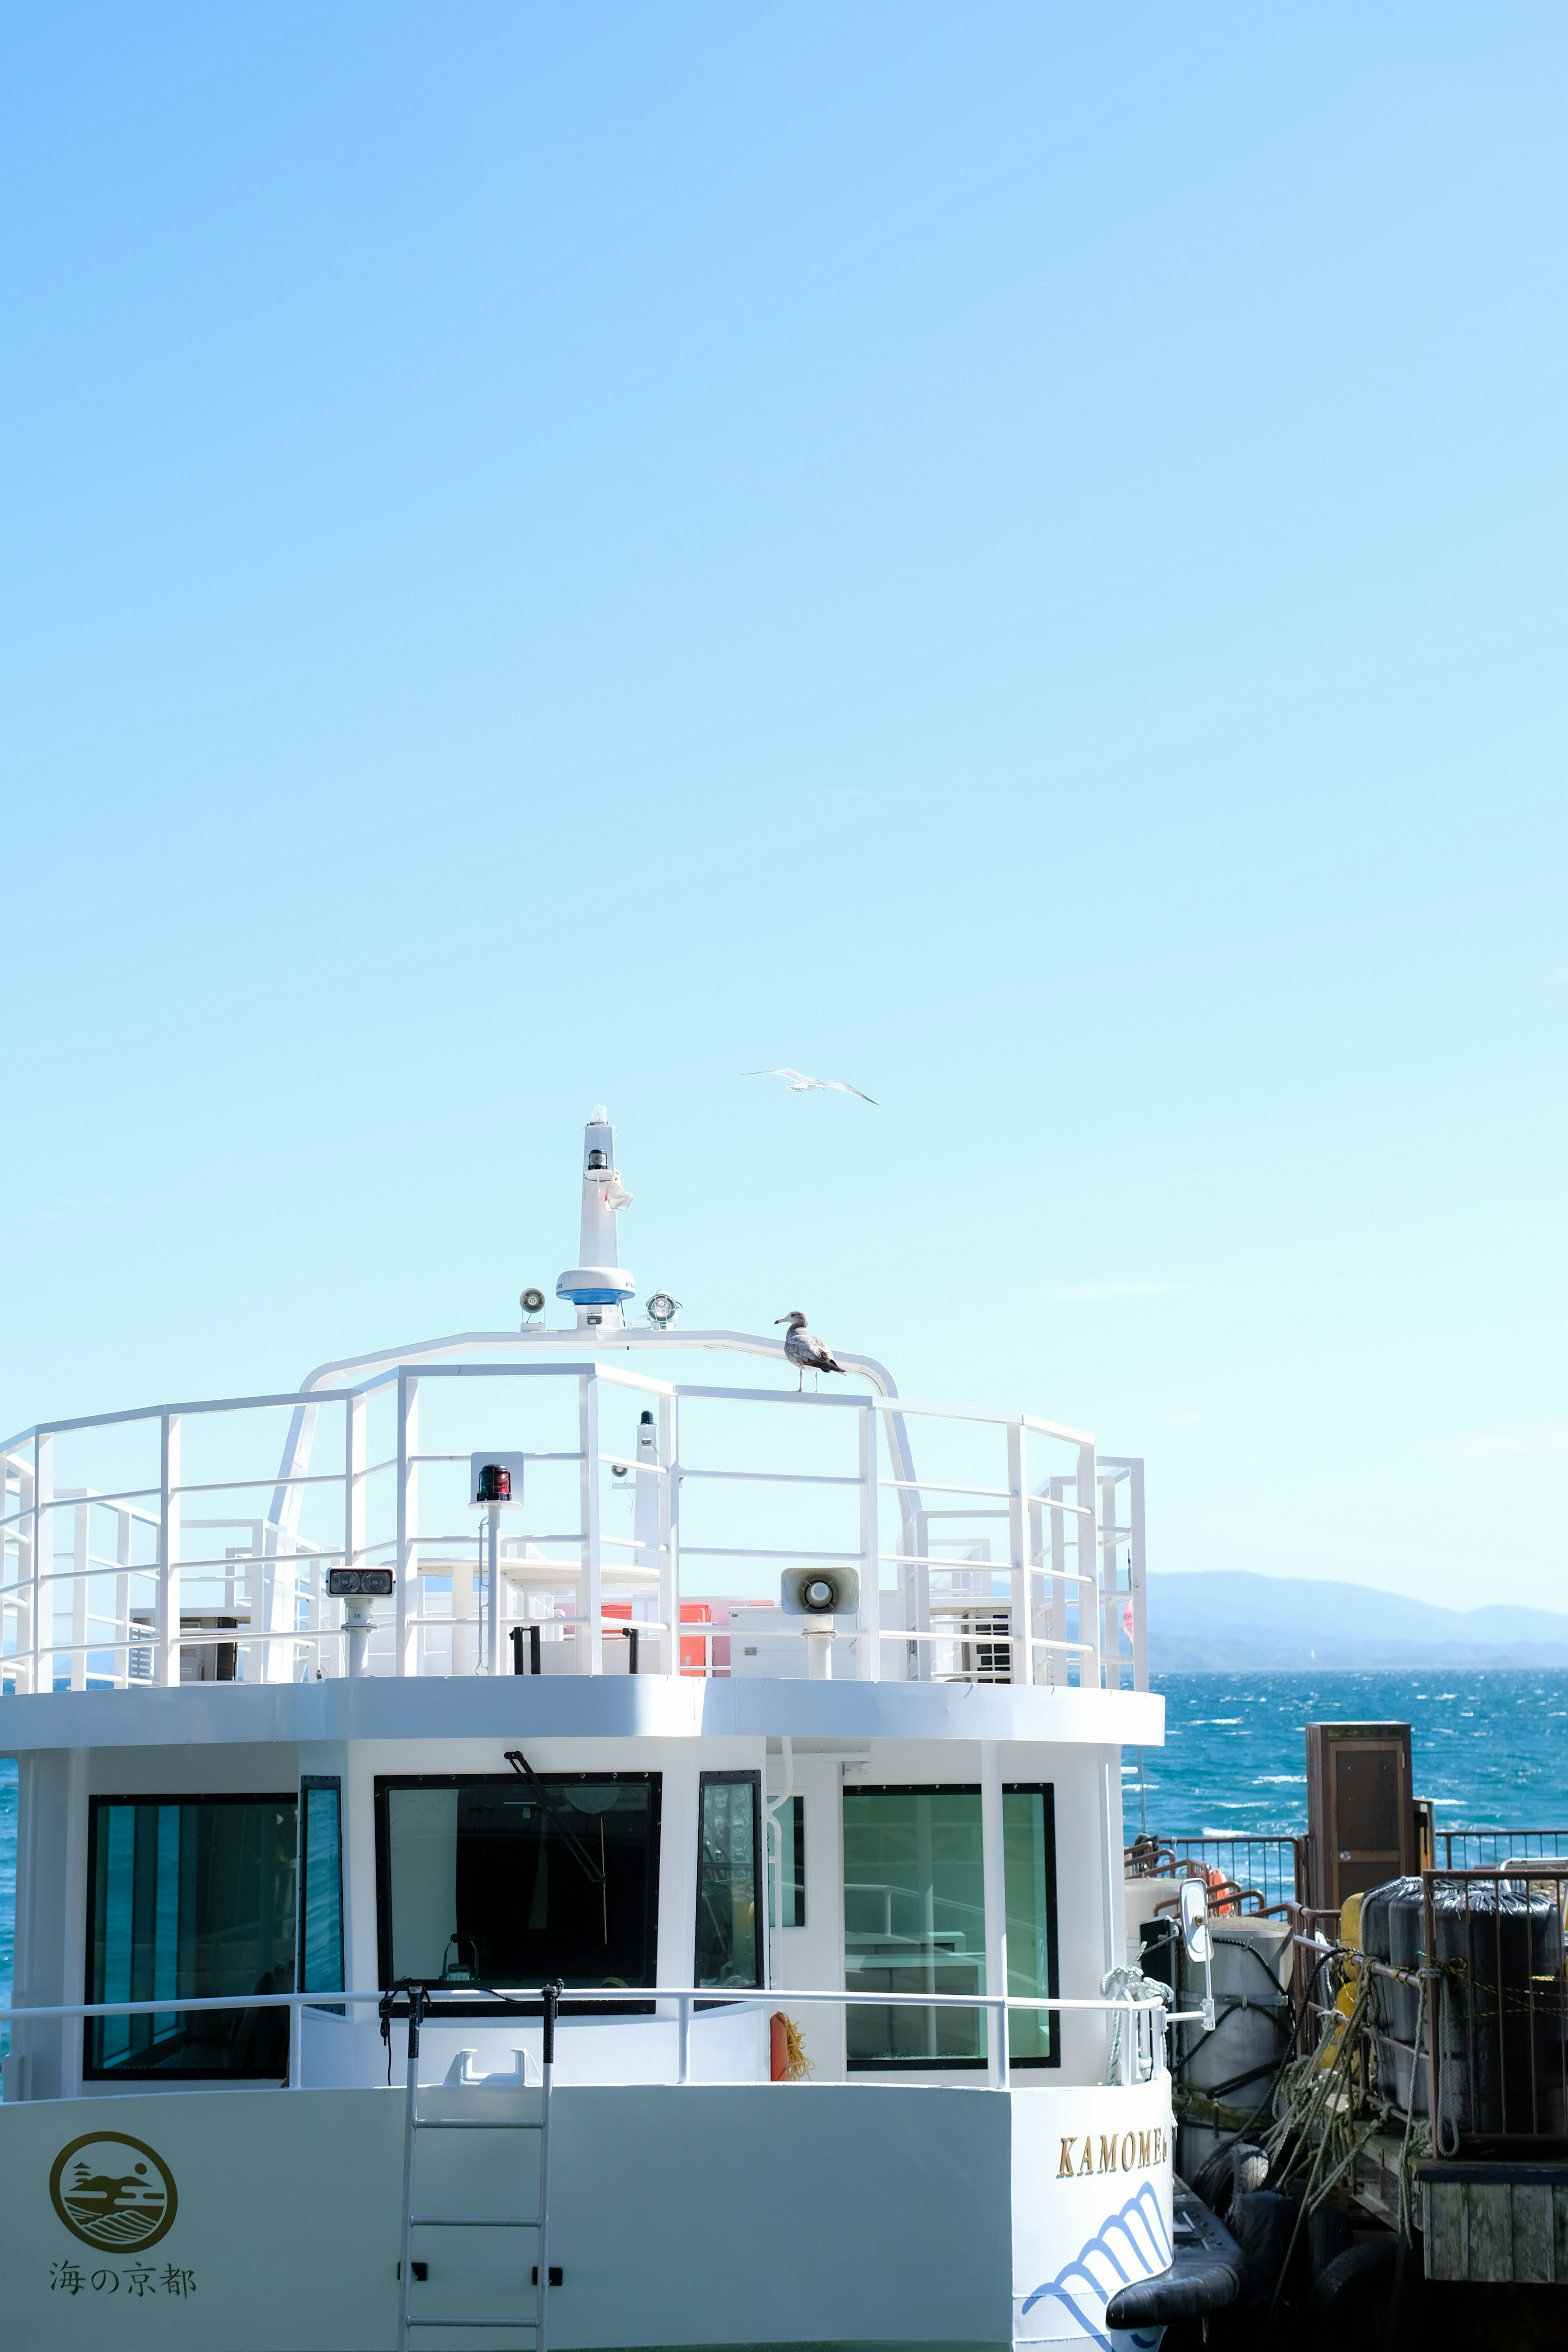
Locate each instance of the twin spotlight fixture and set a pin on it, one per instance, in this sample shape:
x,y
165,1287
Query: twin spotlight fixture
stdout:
x,y
359,1583
662,1309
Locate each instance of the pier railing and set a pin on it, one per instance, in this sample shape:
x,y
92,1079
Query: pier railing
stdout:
x,y
1272,1868
1485,1849
1241,1865
158,1546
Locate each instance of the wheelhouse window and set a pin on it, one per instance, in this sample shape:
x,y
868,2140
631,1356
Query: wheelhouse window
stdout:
x,y
498,1881
1030,1853
190,1897
914,1921
786,1878
729,1937
320,1886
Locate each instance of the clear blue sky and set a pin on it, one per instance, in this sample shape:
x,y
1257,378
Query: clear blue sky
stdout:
x,y
1012,554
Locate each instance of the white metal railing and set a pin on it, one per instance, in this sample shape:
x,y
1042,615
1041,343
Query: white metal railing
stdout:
x,y
1025,1576
1135,2028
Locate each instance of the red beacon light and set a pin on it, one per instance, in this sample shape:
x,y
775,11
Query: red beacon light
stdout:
x,y
495,1480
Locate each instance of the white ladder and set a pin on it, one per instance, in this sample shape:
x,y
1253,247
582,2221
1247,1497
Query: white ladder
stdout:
x,y
413,2125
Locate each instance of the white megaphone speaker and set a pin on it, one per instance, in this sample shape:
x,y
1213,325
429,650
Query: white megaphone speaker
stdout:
x,y
819,1595
819,1591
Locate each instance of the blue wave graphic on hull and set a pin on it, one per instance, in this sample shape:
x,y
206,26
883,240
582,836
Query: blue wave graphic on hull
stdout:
x,y
1074,2277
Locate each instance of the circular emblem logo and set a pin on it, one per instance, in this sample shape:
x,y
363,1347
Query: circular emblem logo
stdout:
x,y
114,2191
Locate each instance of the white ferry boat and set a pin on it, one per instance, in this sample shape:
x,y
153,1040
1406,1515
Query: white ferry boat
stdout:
x,y
521,1848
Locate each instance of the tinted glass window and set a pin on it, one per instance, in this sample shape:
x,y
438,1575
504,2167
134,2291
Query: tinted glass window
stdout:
x,y
788,1875
729,1942
914,1921
1028,1839
505,1882
190,1897
320,1887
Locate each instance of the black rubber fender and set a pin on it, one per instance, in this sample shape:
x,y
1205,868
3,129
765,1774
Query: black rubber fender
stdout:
x,y
1263,2223
1354,2288
1206,2273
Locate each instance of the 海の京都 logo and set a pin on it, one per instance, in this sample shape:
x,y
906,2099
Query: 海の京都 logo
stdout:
x,y
114,2191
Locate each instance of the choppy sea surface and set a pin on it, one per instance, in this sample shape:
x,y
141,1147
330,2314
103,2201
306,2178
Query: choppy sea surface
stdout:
x,y
1489,1749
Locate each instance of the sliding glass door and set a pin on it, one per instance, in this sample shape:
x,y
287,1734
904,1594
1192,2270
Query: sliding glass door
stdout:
x,y
914,1921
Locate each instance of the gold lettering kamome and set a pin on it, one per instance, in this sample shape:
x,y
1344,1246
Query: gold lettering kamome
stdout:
x,y
1133,2152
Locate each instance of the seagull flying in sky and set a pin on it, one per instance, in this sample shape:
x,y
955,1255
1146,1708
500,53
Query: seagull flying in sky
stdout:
x,y
807,1354
799,1084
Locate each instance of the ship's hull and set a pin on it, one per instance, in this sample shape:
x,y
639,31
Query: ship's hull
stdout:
x,y
705,2214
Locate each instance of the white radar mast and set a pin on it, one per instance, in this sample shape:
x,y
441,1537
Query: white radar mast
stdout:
x,y
600,1286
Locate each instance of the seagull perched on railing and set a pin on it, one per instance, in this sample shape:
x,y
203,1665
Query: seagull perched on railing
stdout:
x,y
799,1084
808,1354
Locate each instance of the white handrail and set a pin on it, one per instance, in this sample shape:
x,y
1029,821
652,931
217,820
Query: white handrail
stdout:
x,y
454,1996
279,1586
687,1998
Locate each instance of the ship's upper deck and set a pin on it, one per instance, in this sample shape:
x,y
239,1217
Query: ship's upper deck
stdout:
x,y
639,1523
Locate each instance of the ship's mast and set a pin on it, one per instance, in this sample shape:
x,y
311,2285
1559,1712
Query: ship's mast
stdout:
x,y
600,1286
598,1290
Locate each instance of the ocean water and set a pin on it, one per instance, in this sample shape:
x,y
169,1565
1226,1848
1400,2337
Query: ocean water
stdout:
x,y
1489,1749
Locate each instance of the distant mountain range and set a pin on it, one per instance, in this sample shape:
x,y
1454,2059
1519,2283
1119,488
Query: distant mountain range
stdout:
x,y
1225,1619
